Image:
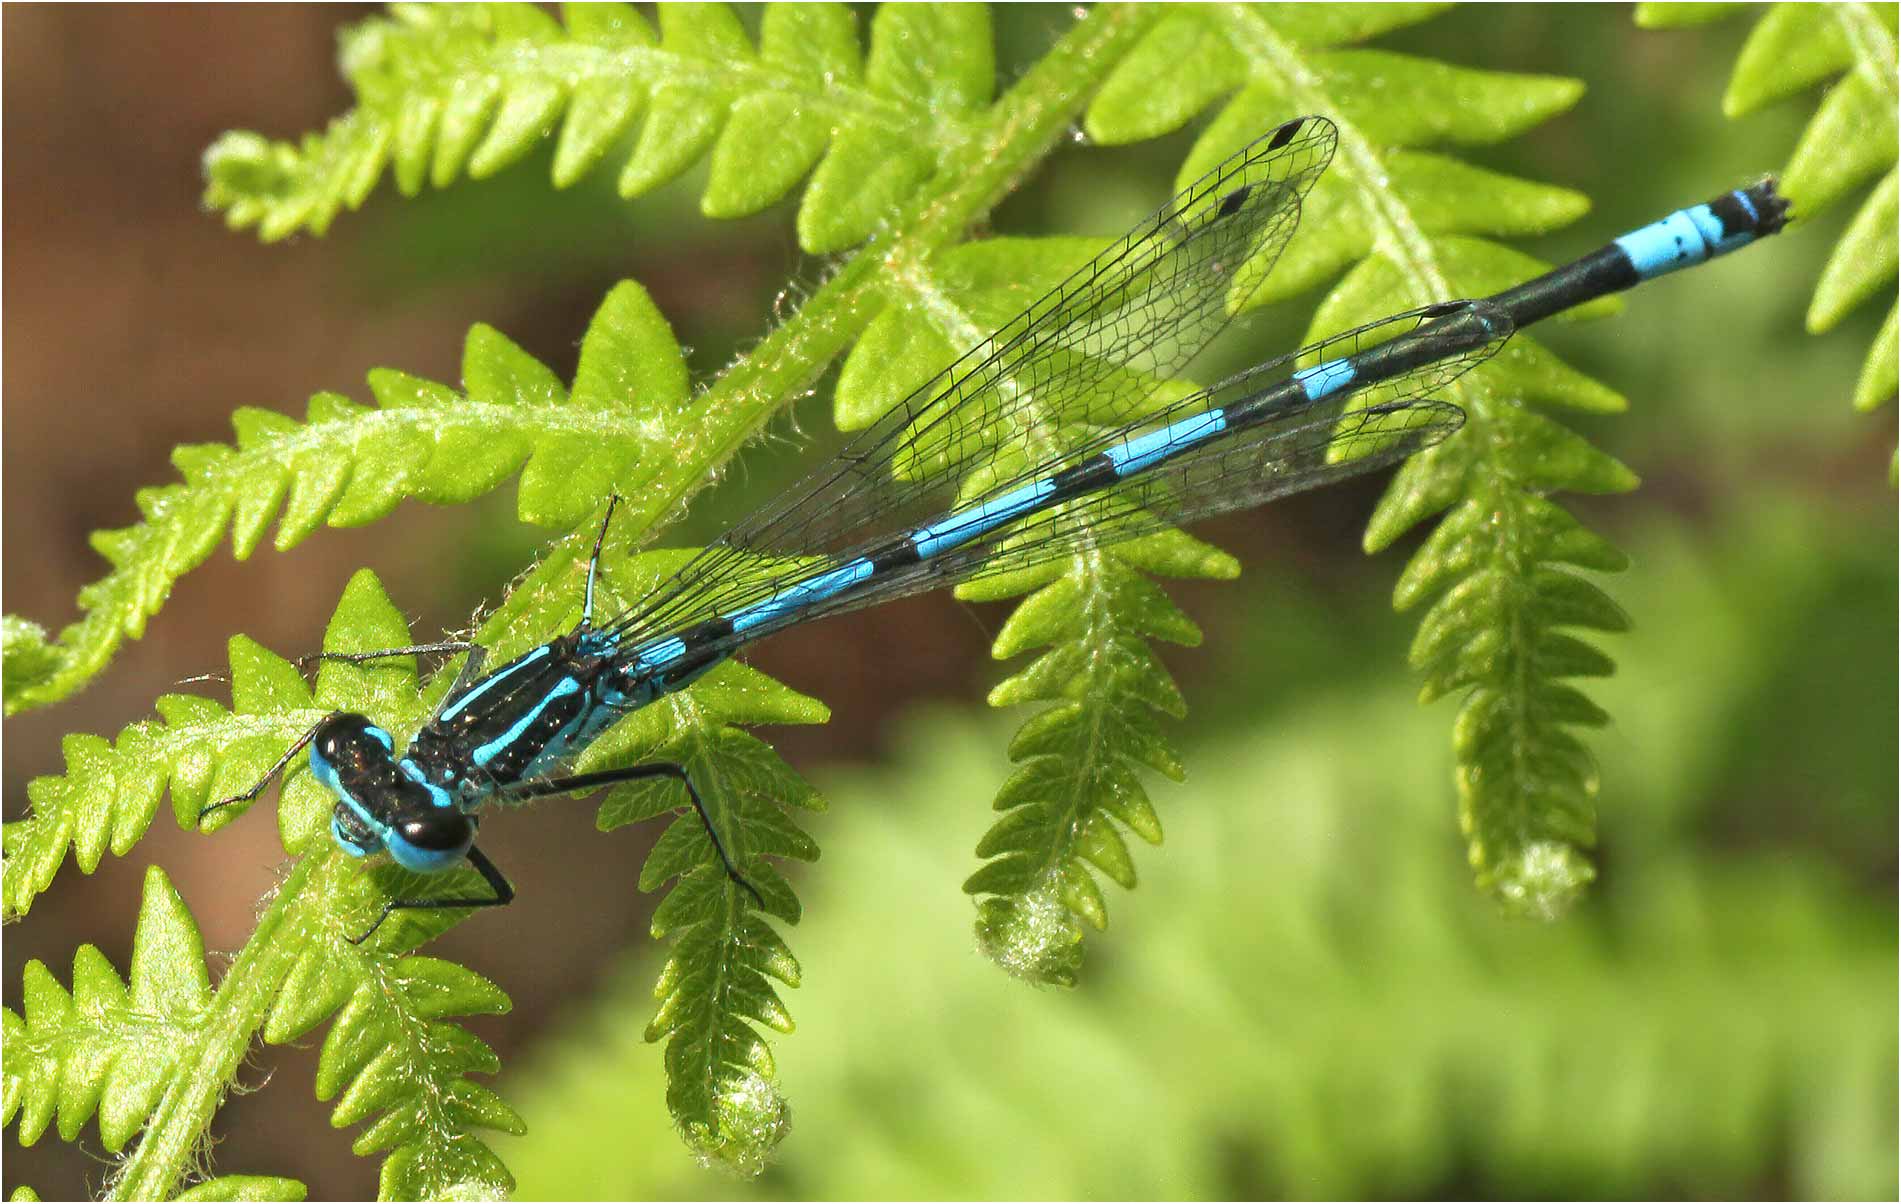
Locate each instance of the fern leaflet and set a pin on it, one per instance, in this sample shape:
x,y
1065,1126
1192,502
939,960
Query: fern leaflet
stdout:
x,y
1851,139
444,90
349,464
113,1047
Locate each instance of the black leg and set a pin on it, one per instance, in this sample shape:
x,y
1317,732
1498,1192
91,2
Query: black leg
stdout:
x,y
594,563
303,662
270,773
659,769
504,895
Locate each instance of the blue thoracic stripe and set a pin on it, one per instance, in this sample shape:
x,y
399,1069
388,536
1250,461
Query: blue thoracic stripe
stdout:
x,y
491,683
802,594
438,795
1144,451
488,752
962,526
1684,239
1325,379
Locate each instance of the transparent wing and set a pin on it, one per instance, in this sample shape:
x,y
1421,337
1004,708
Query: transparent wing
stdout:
x,y
1090,355
1300,447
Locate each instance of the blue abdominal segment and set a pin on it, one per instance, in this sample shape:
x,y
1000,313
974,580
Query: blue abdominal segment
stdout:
x,y
1688,237
524,664
801,595
1146,451
962,526
1324,380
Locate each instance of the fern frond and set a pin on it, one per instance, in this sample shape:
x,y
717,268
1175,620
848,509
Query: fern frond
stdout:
x,y
1097,611
718,981
444,90
1419,225
110,1046
348,464
391,1054
1851,139
710,1022
196,749
573,447
299,967
1076,785
1315,955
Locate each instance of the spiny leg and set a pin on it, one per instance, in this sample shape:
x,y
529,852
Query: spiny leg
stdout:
x,y
594,562
504,895
355,658
305,661
270,773
659,769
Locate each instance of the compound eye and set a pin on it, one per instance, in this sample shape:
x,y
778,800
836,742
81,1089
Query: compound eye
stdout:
x,y
346,738
433,840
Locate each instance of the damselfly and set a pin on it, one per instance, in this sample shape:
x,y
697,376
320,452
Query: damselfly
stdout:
x,y
1059,430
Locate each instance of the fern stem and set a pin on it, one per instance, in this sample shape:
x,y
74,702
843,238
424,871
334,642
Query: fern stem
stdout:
x,y
167,1150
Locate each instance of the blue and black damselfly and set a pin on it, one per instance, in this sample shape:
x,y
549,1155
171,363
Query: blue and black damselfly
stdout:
x,y
1059,430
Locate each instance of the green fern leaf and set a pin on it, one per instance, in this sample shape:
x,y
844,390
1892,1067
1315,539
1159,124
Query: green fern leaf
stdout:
x,y
439,447
391,1055
1076,787
294,986
444,91
718,981
615,431
111,1045
1851,139
199,752
111,790
1418,226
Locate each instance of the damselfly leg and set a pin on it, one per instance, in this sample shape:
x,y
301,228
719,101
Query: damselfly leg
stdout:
x,y
635,773
257,788
504,895
356,658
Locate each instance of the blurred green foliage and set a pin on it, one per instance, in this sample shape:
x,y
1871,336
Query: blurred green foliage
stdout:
x,y
1316,1004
